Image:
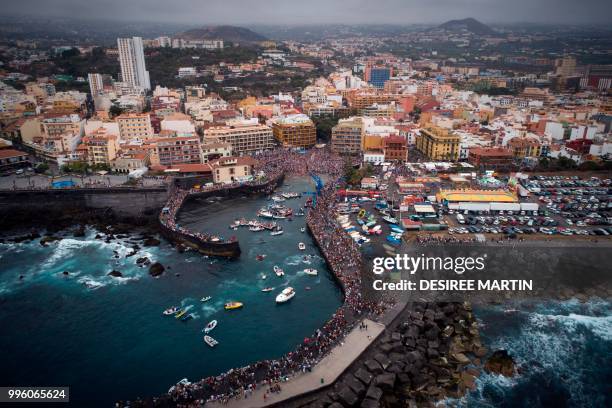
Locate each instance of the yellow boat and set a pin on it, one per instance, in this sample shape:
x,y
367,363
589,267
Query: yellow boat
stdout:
x,y
180,314
233,305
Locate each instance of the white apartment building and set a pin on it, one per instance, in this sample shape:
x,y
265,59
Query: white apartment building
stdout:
x,y
245,137
96,85
132,61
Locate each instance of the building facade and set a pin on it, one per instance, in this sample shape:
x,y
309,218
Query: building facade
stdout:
x,y
395,148
132,61
438,144
135,126
173,150
494,158
230,169
295,131
347,136
244,139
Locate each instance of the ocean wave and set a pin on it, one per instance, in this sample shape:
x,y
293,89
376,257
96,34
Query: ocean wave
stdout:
x,y
559,347
600,326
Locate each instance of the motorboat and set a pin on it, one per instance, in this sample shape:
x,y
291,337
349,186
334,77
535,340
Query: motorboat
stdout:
x,y
233,305
171,310
256,228
210,326
267,289
265,214
263,276
278,199
301,246
303,229
389,219
311,271
205,298
260,257
181,313
210,341
286,295
278,271
277,232
300,212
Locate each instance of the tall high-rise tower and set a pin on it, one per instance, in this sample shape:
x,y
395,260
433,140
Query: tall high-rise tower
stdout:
x,y
131,58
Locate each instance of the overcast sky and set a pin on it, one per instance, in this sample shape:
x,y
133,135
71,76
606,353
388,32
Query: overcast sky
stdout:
x,y
319,11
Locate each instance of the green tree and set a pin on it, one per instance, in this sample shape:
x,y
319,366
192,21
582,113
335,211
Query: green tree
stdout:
x,y
324,125
41,167
115,110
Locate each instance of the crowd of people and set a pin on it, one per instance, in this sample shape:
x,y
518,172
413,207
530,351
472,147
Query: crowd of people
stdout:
x,y
168,219
344,259
318,161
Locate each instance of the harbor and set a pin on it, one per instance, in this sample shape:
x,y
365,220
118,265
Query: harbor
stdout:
x,y
87,300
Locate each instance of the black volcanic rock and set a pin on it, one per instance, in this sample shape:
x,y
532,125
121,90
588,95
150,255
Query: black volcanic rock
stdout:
x,y
500,363
156,269
150,241
115,274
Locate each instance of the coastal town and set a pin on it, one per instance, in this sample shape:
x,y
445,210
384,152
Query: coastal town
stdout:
x,y
455,136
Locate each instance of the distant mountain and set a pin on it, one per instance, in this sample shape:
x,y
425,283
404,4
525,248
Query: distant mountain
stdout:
x,y
470,24
224,32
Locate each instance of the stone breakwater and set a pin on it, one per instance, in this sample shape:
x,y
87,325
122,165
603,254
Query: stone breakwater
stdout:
x,y
432,351
205,243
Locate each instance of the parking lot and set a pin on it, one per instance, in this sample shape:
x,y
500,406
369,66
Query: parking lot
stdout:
x,y
568,205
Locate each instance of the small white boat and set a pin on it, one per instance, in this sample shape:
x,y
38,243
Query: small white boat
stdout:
x,y
267,289
277,232
256,228
210,326
302,229
311,271
171,310
286,295
263,276
278,271
206,299
265,214
301,246
210,341
389,219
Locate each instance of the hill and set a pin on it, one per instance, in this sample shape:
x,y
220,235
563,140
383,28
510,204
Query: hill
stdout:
x,y
225,32
470,24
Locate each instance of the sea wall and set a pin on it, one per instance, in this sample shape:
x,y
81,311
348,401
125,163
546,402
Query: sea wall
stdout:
x,y
24,208
228,249
224,249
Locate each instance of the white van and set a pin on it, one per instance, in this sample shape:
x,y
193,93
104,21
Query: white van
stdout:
x,y
460,219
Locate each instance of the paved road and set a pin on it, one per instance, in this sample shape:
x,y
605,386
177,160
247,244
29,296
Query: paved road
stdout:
x,y
329,369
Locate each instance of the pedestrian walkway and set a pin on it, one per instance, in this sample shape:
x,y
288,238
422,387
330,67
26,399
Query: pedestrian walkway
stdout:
x,y
328,369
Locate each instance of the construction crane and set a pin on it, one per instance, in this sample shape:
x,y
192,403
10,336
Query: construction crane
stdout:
x,y
318,186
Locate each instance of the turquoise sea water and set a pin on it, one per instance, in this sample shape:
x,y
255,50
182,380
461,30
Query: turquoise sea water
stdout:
x,y
106,337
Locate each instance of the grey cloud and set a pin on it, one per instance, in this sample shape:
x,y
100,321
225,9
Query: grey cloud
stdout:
x,y
318,11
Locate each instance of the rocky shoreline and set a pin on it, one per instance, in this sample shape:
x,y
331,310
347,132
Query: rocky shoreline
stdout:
x,y
136,236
